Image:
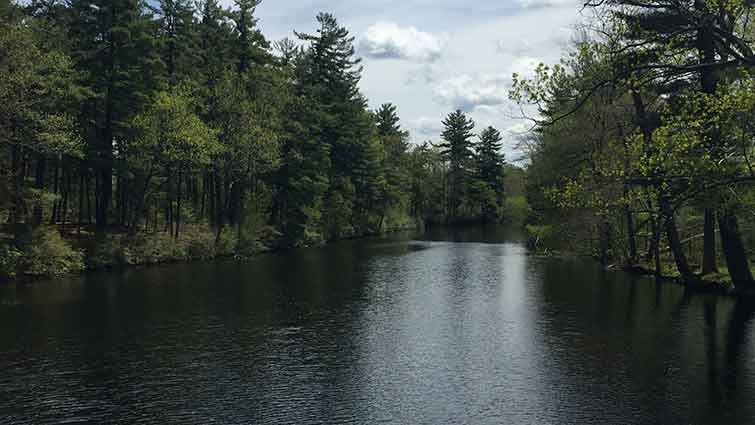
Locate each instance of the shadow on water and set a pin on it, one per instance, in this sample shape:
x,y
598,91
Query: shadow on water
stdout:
x,y
475,233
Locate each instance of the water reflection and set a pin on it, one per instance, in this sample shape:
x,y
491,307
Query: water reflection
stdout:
x,y
448,327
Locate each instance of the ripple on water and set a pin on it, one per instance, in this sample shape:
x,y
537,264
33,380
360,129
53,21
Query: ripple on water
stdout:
x,y
382,331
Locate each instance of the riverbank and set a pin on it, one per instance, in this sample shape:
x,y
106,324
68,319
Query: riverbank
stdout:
x,y
55,252
716,283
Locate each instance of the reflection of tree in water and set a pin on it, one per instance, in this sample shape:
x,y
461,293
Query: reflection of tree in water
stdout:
x,y
727,386
737,339
711,351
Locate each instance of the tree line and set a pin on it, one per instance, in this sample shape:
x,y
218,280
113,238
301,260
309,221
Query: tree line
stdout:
x,y
125,118
642,152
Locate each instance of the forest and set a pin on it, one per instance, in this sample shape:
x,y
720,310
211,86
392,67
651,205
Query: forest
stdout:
x,y
642,151
138,132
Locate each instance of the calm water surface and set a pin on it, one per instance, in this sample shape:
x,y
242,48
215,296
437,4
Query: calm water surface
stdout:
x,y
444,328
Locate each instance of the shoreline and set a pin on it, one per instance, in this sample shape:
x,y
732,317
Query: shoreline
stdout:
x,y
700,286
261,250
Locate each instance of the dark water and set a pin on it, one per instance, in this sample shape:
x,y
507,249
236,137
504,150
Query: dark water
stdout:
x,y
460,328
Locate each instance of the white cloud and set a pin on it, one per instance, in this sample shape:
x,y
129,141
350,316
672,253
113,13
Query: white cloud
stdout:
x,y
514,47
470,91
538,4
387,40
427,73
557,38
424,128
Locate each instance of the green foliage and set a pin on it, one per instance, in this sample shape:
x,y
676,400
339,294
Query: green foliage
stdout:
x,y
49,255
10,258
255,230
179,38
541,236
195,243
340,209
427,170
516,210
172,136
489,174
645,128
170,130
457,150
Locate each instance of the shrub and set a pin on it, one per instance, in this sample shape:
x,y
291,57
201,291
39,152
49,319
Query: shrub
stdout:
x,y
515,209
226,243
539,236
106,253
254,230
200,243
49,254
153,248
9,261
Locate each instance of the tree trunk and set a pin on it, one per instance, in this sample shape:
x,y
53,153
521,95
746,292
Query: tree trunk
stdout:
x,y
605,241
203,196
631,236
81,199
105,142
39,184
140,202
709,82
88,182
654,251
66,193
169,206
15,210
123,200
218,206
709,243
55,190
734,251
105,195
178,205
674,242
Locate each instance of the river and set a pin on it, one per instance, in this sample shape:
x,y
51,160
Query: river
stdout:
x,y
447,327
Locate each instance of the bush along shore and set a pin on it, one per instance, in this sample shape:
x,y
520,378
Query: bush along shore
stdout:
x,y
51,252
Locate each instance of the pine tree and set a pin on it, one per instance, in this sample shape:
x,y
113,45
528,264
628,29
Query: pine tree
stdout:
x,y
457,150
304,178
215,41
490,164
328,72
179,38
251,47
115,47
395,143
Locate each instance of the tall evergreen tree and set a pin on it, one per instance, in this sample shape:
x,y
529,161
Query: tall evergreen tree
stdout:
x,y
116,48
215,40
179,37
329,72
456,148
395,143
250,46
490,164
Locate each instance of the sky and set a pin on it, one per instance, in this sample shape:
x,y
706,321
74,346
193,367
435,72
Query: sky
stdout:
x,y
430,57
